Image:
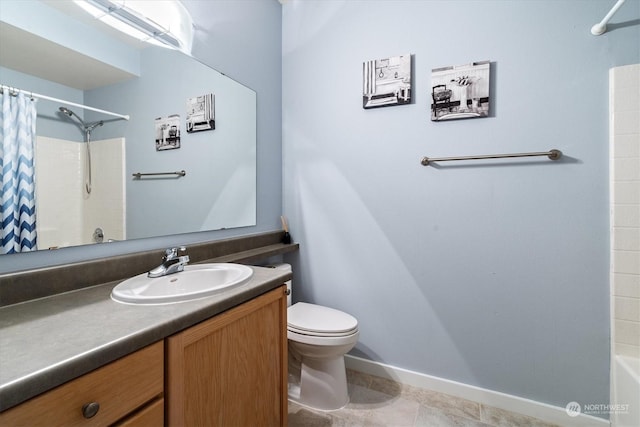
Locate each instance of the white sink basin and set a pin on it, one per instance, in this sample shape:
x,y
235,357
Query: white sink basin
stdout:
x,y
196,281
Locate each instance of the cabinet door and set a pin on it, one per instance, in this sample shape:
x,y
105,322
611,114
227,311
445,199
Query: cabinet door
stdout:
x,y
114,390
231,370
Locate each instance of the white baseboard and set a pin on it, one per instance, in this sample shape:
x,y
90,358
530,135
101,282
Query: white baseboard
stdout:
x,y
542,411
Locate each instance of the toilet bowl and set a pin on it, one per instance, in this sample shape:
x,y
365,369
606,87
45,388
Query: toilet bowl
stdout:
x,y
318,338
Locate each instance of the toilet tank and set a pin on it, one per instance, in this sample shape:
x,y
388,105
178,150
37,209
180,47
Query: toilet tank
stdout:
x,y
287,268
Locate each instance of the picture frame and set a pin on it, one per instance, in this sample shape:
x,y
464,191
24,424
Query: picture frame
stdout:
x,y
167,132
201,113
386,82
461,91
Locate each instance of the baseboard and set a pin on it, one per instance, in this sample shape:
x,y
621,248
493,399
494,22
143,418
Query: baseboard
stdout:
x,y
542,411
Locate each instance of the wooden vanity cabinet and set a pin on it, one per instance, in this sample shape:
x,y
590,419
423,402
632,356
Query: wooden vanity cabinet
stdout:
x,y
231,370
118,392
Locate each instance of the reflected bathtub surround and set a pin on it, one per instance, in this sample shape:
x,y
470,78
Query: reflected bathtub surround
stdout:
x,y
460,92
67,215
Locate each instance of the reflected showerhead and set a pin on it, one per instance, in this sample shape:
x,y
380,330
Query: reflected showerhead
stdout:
x,y
66,111
92,126
70,113
87,127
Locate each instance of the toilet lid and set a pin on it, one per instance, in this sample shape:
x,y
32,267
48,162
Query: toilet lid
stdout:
x,y
314,319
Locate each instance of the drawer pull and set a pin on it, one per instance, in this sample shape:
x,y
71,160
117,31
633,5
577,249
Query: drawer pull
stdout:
x,y
89,410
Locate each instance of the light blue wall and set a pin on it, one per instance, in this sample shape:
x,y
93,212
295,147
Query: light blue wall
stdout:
x,y
490,275
242,40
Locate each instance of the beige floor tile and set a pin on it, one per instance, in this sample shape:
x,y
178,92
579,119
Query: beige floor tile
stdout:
x,y
299,416
397,412
378,402
386,386
431,417
358,378
302,417
450,404
380,409
502,418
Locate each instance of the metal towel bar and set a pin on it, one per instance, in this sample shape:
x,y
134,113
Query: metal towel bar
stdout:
x,y
552,154
139,175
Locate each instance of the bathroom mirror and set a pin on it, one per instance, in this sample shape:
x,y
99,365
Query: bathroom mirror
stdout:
x,y
159,92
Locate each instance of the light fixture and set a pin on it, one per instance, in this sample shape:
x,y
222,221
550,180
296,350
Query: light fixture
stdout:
x,y
165,22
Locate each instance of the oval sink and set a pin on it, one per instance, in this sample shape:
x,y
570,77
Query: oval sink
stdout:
x,y
196,281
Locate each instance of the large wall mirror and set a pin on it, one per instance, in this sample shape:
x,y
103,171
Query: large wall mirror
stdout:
x,y
184,116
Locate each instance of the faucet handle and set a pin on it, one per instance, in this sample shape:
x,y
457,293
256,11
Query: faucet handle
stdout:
x,y
172,253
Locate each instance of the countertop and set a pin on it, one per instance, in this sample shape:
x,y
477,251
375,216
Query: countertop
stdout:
x,y
49,341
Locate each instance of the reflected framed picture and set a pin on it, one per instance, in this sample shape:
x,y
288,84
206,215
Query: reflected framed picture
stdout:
x,y
201,113
386,82
168,132
460,92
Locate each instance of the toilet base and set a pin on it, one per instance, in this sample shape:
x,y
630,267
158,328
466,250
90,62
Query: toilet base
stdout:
x,y
322,384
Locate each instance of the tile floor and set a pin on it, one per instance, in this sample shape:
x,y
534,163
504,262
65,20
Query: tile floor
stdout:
x,y
378,402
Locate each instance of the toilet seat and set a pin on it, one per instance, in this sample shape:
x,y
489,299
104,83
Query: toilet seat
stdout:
x,y
334,341
321,334
316,320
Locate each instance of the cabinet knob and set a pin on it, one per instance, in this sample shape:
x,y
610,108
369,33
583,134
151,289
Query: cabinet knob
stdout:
x,y
287,291
89,410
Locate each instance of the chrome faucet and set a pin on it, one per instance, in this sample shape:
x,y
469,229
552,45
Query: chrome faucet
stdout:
x,y
171,263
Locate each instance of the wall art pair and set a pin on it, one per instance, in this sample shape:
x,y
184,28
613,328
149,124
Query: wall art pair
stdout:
x,y
200,117
457,92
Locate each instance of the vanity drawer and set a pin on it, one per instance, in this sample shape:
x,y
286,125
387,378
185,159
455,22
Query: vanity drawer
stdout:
x,y
118,388
151,415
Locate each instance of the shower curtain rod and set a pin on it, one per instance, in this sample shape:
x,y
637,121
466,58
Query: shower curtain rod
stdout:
x,y
13,90
601,27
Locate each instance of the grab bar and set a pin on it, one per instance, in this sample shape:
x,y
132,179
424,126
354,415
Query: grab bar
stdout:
x,y
552,154
139,175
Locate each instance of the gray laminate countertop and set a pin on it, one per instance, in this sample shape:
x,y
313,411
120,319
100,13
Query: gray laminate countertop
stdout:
x,y
49,341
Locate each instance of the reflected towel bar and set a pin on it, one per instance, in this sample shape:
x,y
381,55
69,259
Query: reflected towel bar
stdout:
x,y
178,174
552,154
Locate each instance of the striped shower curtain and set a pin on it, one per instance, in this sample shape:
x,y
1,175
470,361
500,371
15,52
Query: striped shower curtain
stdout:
x,y
17,165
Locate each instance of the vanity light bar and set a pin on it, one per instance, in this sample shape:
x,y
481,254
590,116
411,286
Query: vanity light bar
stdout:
x,y
130,17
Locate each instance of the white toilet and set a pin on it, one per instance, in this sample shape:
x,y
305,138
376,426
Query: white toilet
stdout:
x,y
319,337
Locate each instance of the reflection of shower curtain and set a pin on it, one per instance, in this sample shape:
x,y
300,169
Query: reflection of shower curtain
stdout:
x,y
17,141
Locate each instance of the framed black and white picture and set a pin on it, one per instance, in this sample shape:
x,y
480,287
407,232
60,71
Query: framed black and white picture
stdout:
x,y
201,113
386,82
460,92
168,132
